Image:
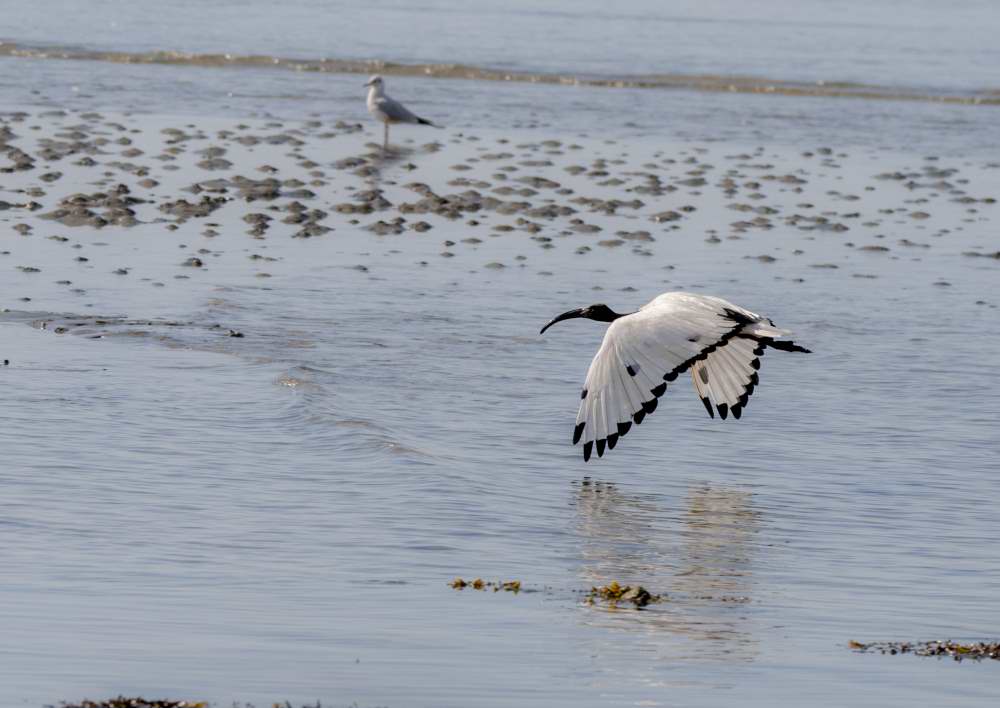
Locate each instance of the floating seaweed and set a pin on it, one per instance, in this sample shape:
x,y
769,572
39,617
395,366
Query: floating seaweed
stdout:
x,y
614,593
513,586
138,702
956,650
123,702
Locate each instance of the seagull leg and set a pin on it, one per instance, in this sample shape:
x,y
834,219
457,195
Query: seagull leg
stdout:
x,y
385,141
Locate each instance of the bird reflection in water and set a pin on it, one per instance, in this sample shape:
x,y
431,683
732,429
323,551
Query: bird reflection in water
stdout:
x,y
700,556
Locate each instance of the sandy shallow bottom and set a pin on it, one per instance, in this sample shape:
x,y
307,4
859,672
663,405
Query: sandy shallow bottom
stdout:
x,y
270,390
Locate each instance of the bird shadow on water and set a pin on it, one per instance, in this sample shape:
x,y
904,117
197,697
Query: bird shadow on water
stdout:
x,y
700,557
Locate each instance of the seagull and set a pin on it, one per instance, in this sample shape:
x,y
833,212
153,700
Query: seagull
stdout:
x,y
718,342
387,109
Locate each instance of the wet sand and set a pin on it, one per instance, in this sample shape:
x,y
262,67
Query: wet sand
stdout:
x,y
98,206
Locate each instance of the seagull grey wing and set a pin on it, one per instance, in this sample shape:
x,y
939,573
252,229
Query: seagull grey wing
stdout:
x,y
395,111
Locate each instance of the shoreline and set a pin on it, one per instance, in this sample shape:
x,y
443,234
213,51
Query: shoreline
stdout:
x,y
743,84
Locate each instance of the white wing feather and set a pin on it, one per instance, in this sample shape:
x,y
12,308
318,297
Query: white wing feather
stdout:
x,y
719,342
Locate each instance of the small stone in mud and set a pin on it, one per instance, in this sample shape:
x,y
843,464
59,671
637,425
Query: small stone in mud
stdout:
x,y
664,216
193,262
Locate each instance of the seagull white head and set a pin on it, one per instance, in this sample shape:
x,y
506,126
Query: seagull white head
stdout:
x,y
375,81
599,312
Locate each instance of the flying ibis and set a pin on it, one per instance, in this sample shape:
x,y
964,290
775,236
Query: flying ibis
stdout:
x,y
643,352
388,110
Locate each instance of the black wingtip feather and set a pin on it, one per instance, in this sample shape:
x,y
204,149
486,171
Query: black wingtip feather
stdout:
x,y
723,411
600,448
623,428
737,411
672,376
587,448
786,346
637,418
708,407
612,441
659,390
649,406
578,432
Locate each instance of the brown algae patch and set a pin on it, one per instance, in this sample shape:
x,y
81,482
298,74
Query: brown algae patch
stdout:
x,y
614,593
956,650
513,586
123,702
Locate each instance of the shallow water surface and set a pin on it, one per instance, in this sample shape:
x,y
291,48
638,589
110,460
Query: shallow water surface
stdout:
x,y
277,516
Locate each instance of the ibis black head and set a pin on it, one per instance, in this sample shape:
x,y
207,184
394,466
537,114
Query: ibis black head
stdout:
x,y
599,312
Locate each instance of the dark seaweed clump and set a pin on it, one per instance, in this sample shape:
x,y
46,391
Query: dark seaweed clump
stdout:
x,y
956,650
123,702
513,586
614,593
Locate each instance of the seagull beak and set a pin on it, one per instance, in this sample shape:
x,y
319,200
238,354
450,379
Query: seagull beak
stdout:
x,y
564,316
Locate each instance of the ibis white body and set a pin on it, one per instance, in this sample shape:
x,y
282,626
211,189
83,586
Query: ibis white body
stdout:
x,y
387,110
644,352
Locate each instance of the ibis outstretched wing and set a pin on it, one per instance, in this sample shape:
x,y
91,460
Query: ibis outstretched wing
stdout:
x,y
643,353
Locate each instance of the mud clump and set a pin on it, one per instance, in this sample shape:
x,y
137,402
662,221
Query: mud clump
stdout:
x,y
184,210
383,228
80,209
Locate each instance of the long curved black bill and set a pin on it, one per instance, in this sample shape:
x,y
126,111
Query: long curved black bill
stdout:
x,y
564,316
